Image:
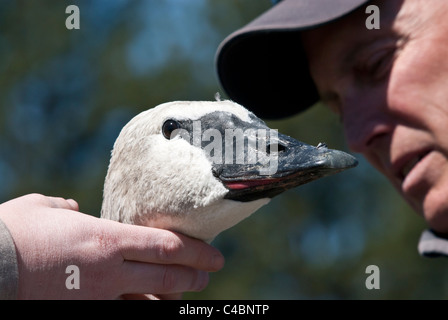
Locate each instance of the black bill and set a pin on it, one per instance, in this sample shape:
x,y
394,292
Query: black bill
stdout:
x,y
293,164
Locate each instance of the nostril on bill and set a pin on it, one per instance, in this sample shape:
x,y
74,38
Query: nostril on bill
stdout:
x,y
275,147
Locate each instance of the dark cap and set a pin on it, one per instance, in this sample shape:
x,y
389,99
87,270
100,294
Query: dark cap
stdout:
x,y
263,66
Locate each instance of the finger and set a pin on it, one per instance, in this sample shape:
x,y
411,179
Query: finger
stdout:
x,y
173,296
134,296
165,247
140,278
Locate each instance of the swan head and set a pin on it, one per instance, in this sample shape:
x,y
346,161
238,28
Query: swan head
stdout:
x,y
200,167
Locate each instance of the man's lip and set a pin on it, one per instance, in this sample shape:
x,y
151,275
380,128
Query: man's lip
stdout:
x,y
406,163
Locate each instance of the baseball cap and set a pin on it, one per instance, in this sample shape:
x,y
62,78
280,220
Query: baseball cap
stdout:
x,y
263,65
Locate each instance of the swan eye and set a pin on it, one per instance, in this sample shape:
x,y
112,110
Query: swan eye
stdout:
x,y
168,127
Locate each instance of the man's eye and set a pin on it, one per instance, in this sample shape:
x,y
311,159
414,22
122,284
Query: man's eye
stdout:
x,y
377,66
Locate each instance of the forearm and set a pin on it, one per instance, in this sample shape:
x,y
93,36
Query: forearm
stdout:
x,y
9,274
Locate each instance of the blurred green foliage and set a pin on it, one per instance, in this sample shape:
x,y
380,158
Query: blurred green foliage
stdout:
x,y
65,95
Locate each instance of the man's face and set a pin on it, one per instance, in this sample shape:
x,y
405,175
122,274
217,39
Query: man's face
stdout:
x,y
390,88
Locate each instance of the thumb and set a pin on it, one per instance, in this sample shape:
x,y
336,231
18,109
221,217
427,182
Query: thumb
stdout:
x,y
73,204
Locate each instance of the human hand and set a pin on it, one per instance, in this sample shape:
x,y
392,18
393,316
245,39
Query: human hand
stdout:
x,y
115,260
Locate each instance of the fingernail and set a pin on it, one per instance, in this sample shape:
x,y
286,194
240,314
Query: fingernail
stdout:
x,y
218,261
73,204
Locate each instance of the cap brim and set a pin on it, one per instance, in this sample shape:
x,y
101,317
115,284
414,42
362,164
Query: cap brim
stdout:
x,y
263,65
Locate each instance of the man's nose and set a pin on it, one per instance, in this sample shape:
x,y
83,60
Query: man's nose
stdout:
x,y
365,120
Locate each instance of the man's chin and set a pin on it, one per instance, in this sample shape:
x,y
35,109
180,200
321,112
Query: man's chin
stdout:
x,y
433,207
435,211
